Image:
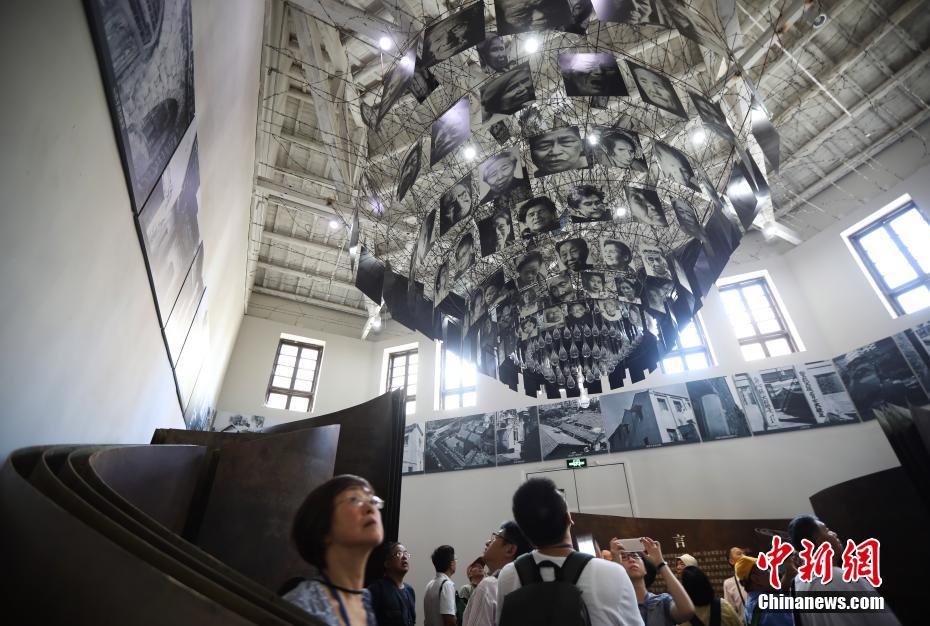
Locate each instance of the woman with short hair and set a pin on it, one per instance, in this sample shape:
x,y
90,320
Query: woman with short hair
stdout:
x,y
335,530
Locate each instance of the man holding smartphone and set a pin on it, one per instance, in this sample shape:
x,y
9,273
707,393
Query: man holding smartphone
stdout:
x,y
664,609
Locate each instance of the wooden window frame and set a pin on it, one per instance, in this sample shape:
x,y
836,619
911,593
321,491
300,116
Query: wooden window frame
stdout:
x,y
291,393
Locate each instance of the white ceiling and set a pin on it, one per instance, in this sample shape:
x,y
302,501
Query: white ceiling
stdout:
x,y
838,95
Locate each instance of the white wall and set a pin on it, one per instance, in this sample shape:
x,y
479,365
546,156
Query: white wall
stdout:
x,y
81,354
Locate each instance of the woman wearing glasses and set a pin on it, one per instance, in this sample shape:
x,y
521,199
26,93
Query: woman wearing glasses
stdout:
x,y
335,530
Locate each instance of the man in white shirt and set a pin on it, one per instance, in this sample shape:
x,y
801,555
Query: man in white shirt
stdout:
x,y
733,592
810,528
540,511
505,545
439,598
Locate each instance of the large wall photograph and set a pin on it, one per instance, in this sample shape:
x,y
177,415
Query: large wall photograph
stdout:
x,y
566,430
460,443
145,50
517,435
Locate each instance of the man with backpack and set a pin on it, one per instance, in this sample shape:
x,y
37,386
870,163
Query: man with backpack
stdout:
x,y
553,584
439,598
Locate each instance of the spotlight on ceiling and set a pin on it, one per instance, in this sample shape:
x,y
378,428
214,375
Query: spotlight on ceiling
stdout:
x,y
699,137
621,211
353,250
593,139
334,224
531,45
470,153
376,322
820,20
385,43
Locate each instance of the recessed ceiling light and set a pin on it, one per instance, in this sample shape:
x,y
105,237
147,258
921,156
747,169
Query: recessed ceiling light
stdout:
x,y
820,20
621,211
699,137
385,43
334,224
593,139
531,45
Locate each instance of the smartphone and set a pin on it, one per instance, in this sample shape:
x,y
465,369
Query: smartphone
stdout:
x,y
586,545
632,545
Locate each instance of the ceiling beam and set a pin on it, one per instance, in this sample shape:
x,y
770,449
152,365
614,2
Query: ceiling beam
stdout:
x,y
293,297
845,167
306,274
315,205
915,66
301,244
310,177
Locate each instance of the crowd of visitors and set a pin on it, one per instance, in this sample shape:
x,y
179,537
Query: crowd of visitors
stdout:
x,y
530,573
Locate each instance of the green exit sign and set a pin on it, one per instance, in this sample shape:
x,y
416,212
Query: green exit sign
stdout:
x,y
576,463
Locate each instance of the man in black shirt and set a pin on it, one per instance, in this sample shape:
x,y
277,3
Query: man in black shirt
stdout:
x,y
393,600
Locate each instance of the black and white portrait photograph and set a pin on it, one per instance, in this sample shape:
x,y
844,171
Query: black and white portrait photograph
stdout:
x,y
567,430
507,93
774,400
530,270
695,25
587,203
494,54
456,203
477,307
409,169
616,254
518,436
826,394
595,284
496,232
591,74
558,150
629,11
530,301
229,422
662,416
464,255
529,326
577,314
500,130
441,284
494,289
716,410
170,229
688,219
459,443
506,314
656,293
629,289
503,175
618,147
451,130
537,216
146,59
396,82
877,375
645,206
712,116
609,309
560,288
656,89
675,165
182,315
654,261
581,14
553,316
453,34
573,255
423,82
523,16
426,236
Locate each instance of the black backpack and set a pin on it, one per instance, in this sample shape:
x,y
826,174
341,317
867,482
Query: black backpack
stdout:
x,y
538,602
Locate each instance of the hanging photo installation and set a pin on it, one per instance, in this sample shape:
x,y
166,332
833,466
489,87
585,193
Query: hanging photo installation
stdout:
x,y
591,74
452,35
507,93
522,16
450,131
557,150
656,89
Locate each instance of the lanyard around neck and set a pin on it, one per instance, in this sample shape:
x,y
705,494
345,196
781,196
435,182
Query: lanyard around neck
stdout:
x,y
335,591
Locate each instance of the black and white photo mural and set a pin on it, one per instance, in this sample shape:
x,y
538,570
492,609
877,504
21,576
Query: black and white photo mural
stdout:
x,y
567,430
414,439
591,74
449,36
145,51
450,131
517,433
460,443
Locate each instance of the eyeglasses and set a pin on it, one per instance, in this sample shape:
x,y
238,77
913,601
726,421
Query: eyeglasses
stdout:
x,y
358,501
629,556
397,555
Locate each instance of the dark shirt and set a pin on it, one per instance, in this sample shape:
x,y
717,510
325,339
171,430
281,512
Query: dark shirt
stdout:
x,y
393,606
